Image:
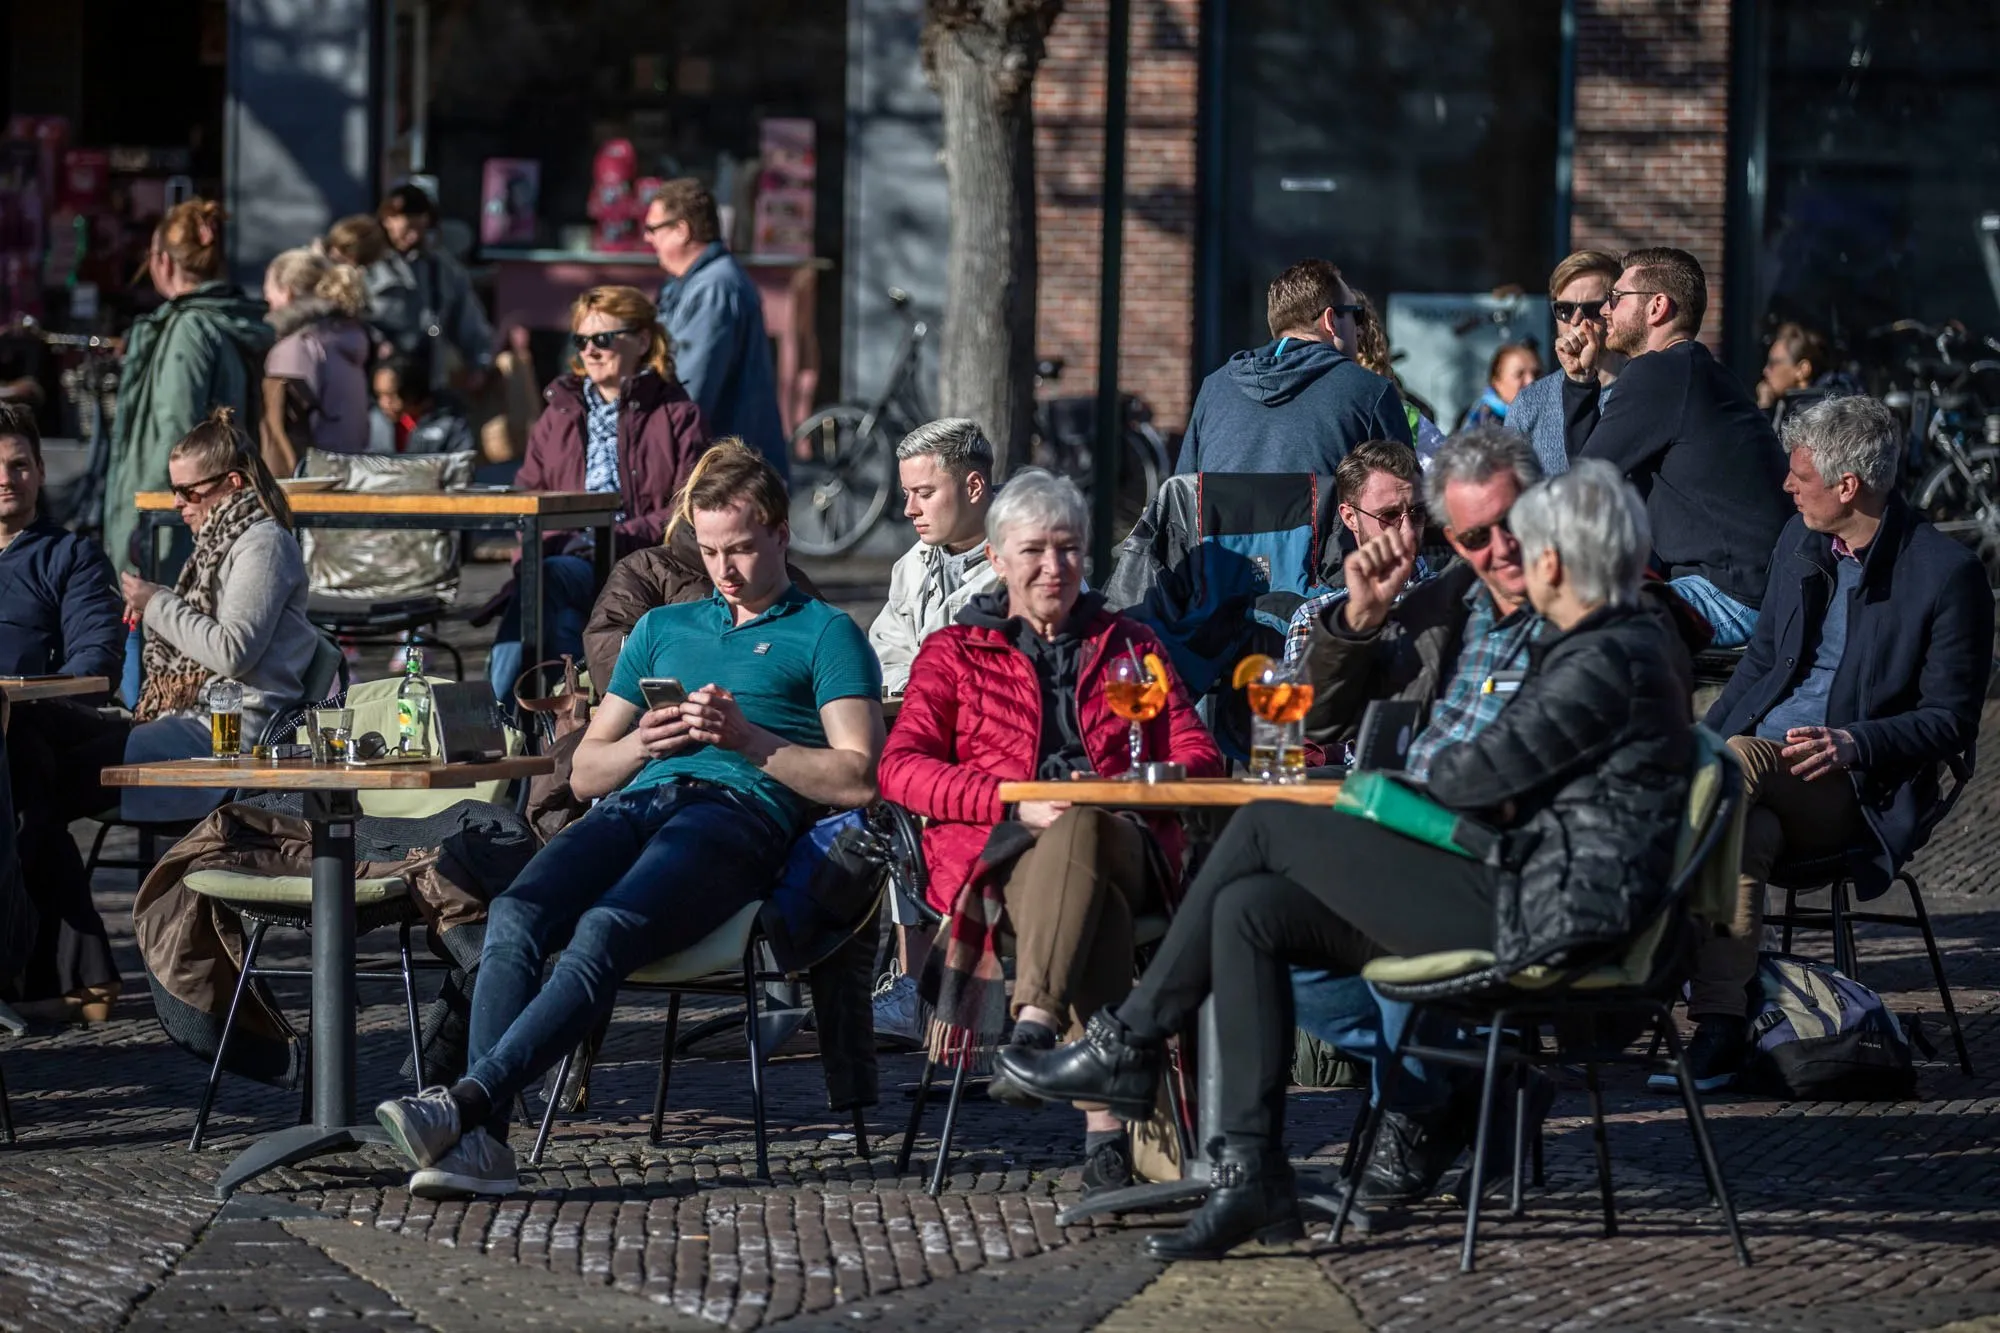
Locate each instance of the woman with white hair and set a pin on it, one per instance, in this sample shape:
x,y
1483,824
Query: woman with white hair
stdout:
x,y
316,374
1585,775
1015,690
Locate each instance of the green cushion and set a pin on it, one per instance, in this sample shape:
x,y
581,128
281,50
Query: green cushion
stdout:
x,y
722,951
285,890
1427,967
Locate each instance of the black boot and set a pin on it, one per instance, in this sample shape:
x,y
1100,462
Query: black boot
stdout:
x,y
1105,1066
1029,1039
1250,1197
1412,1153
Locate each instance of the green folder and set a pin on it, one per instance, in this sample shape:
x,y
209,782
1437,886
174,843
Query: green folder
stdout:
x,y
1378,796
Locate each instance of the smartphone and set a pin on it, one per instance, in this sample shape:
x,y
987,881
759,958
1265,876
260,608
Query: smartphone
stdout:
x,y
662,692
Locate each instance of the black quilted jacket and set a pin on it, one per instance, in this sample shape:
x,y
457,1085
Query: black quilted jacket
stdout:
x,y
1593,756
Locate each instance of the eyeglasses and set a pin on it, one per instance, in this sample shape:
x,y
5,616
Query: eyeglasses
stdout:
x,y
1569,312
1352,309
601,341
195,491
1393,518
1479,538
651,227
1614,296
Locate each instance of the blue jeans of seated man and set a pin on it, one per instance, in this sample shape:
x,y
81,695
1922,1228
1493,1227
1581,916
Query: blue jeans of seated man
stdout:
x,y
1734,622
1347,1014
569,586
645,874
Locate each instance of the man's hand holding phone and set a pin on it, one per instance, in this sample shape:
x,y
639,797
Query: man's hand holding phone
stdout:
x,y
714,719
663,732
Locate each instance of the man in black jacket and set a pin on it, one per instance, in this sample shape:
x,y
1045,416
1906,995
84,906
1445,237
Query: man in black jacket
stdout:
x,y
1686,433
1866,673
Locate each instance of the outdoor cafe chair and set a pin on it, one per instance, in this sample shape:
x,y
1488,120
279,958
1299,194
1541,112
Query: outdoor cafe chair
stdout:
x,y
1836,875
264,901
1577,1003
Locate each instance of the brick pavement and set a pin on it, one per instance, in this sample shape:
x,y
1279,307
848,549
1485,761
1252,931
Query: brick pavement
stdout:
x,y
1860,1216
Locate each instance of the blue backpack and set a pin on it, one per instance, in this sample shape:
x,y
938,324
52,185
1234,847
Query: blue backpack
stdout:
x,y
831,880
1819,1035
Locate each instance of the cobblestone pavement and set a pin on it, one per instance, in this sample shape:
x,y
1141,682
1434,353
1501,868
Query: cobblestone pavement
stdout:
x,y
1860,1216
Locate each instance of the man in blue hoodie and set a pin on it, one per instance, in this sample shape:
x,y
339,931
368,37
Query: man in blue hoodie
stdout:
x,y
1299,402
714,318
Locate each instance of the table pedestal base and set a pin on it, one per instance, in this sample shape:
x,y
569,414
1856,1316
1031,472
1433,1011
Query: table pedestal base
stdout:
x,y
1167,1196
288,1146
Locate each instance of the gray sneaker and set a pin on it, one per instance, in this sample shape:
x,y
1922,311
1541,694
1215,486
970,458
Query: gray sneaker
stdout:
x,y
424,1127
899,1012
477,1164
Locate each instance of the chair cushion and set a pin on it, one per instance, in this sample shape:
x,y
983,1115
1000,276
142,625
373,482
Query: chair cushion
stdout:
x,y
236,886
721,951
1440,966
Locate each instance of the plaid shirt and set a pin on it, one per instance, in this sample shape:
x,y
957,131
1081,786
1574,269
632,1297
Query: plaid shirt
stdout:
x,y
600,433
1466,704
1299,632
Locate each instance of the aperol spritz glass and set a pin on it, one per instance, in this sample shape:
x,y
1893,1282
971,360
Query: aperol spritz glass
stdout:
x,y
1280,700
1135,691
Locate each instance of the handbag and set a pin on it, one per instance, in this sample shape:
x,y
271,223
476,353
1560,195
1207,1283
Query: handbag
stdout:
x,y
552,806
1384,799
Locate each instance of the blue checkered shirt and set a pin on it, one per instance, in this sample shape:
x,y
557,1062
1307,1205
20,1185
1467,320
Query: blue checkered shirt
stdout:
x,y
600,435
1465,705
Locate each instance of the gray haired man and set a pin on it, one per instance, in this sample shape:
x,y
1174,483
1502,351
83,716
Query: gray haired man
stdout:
x,y
946,469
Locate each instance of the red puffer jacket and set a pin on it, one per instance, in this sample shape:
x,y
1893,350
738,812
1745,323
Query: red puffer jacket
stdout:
x,y
972,719
660,435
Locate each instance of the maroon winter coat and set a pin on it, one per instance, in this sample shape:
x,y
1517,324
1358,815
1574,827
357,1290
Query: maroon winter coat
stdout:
x,y
972,719
660,435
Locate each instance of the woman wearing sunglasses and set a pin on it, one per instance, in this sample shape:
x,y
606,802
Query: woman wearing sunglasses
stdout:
x,y
618,421
1576,299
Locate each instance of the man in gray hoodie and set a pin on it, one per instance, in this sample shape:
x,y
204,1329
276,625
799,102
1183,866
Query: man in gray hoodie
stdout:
x,y
1299,402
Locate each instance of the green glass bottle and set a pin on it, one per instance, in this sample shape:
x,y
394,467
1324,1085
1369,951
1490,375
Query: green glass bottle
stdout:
x,y
413,707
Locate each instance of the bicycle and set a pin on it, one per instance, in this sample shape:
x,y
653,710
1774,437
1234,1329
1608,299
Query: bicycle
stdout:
x,y
1954,435
844,456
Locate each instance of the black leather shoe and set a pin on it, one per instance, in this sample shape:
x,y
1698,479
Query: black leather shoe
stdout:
x,y
1250,1197
1005,1090
1105,1066
1411,1155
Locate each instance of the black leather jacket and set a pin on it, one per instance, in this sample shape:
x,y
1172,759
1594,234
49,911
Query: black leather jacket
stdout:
x,y
1587,771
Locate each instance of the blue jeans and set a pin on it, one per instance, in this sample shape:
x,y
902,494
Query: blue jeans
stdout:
x,y
569,586
1733,621
645,874
1347,1014
169,738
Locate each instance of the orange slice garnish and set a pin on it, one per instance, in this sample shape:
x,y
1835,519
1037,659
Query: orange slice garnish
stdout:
x,y
1249,669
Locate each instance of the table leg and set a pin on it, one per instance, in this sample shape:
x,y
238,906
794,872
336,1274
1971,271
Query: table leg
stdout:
x,y
605,555
529,591
332,815
1192,1187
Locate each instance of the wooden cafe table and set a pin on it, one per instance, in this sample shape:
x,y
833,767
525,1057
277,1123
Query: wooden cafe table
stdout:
x,y
331,807
529,513
1182,795
28,689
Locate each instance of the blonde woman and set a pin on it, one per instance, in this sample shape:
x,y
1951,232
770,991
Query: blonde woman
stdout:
x,y
316,376
618,421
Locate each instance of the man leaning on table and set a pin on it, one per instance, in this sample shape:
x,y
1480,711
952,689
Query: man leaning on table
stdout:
x,y
700,803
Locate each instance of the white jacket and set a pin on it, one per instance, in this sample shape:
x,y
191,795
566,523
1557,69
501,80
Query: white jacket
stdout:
x,y
918,607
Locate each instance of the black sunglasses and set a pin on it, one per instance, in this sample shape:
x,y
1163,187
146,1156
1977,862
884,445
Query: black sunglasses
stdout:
x,y
1390,518
1569,312
1477,539
1352,309
650,227
195,490
601,341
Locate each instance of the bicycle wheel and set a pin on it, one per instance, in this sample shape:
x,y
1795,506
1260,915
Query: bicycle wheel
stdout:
x,y
1139,478
1967,510
841,480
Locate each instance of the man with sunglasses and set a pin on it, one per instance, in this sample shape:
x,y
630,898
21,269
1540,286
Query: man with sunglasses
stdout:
x,y
1299,402
1688,434
1378,485
714,318
1576,299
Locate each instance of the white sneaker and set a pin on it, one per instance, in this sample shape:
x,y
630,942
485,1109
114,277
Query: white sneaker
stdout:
x,y
899,1012
478,1164
424,1127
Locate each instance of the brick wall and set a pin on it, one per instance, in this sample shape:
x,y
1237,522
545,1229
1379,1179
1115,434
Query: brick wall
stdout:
x,y
1652,130
1157,341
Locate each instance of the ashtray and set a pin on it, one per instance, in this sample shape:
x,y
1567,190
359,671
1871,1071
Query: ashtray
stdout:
x,y
1162,772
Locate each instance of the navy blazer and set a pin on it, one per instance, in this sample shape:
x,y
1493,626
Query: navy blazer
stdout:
x,y
1911,680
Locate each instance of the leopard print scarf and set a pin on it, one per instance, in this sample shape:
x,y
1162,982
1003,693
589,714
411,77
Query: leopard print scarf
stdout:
x,y
173,680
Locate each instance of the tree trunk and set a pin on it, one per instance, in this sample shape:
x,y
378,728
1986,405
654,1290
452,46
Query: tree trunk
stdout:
x,y
981,56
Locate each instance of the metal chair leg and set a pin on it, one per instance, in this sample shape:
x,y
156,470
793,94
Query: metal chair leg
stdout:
x,y
228,1027
860,1134
659,1128
916,1115
1603,1149
1937,972
1515,1206
6,1111
1479,1141
750,989
410,1002
1791,905
96,853
554,1098
1711,1165
1843,932
936,1186
1368,1126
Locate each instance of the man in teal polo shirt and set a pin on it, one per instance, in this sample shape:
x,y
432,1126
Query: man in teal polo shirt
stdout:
x,y
701,801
